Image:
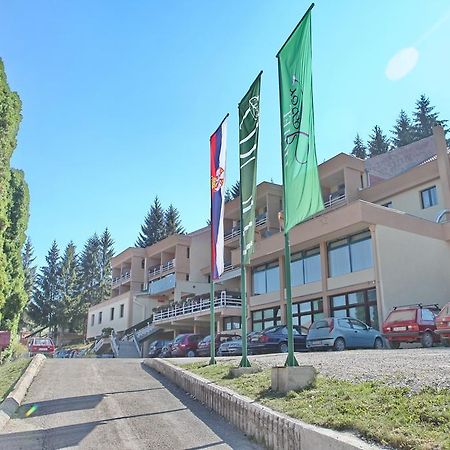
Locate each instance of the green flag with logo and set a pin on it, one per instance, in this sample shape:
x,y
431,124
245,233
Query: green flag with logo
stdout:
x,y
248,149
302,194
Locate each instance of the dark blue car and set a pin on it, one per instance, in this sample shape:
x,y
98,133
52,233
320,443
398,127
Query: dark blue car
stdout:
x,y
274,339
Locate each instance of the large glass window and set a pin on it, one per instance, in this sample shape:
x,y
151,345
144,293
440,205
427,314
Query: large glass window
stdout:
x,y
351,254
231,323
266,279
305,313
265,318
428,197
361,305
305,267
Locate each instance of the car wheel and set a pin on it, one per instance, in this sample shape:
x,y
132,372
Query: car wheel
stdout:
x,y
283,347
394,345
427,340
339,344
190,354
378,345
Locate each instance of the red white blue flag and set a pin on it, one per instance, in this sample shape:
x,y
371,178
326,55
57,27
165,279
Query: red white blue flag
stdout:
x,y
218,147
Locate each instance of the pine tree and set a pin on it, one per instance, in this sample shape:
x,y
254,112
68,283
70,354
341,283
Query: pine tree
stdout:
x,y
378,142
403,132
233,192
172,221
29,269
46,296
106,254
359,149
153,229
90,274
425,118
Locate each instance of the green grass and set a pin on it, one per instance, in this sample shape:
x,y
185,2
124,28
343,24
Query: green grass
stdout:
x,y
10,372
388,415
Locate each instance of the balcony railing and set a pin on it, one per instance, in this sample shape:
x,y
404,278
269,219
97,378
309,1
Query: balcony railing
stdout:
x,y
261,219
161,285
166,267
229,267
185,309
337,201
121,279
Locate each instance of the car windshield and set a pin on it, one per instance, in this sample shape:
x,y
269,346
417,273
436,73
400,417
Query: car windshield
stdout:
x,y
445,311
42,342
402,314
179,338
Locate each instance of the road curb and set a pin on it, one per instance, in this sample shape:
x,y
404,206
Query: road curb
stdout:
x,y
269,428
9,406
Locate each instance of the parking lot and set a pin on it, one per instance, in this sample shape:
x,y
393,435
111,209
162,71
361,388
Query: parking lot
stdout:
x,y
413,367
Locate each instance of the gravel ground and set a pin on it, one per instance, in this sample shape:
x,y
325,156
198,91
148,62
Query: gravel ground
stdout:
x,y
415,367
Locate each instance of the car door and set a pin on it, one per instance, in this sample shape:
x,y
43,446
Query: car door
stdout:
x,y
345,329
363,337
299,338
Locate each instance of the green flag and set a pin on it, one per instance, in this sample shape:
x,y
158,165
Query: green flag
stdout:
x,y
302,194
248,149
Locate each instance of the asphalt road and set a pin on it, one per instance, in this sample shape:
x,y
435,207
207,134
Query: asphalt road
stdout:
x,y
113,404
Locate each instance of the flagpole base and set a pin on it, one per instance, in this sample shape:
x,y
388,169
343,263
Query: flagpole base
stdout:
x,y
212,361
244,362
291,361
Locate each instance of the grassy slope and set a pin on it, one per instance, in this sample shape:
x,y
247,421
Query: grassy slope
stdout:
x,y
10,372
388,415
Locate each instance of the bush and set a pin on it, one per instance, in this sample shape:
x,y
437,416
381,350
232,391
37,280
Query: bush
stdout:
x,y
14,350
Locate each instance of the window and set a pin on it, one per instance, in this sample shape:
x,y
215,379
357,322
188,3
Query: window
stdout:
x,y
100,314
143,264
232,323
357,325
350,254
266,279
187,277
428,197
305,313
427,315
92,320
265,318
387,205
361,305
122,308
305,267
344,323
188,252
112,314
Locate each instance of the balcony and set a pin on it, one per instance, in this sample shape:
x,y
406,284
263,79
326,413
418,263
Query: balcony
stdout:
x,y
340,200
161,285
260,219
199,305
160,269
116,281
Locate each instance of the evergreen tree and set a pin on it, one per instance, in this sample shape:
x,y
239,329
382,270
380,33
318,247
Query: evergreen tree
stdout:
x,y
46,296
233,192
106,254
172,221
359,149
378,142
29,269
153,229
90,274
228,196
425,118
403,132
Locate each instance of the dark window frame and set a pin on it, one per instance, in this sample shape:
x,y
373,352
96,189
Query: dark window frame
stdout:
x,y
428,194
122,310
302,256
274,317
311,312
231,320
92,320
264,268
100,317
111,314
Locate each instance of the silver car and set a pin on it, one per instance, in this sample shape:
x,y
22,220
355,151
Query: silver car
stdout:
x,y
342,333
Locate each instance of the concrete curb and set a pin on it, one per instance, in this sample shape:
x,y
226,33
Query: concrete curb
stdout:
x,y
9,406
269,428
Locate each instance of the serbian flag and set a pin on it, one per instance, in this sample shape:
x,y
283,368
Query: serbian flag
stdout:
x,y
218,147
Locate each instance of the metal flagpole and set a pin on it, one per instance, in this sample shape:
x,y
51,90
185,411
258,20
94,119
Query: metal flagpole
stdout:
x,y
212,326
244,360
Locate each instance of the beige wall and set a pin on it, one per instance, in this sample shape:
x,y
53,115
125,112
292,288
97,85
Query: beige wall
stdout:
x,y
410,201
200,255
412,268
119,324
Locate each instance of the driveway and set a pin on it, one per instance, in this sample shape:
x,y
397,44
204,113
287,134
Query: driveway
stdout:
x,y
113,404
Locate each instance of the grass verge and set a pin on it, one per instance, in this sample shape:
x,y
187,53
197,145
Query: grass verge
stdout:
x,y
10,372
390,416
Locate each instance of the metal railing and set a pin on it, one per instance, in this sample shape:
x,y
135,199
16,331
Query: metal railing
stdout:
x,y
166,267
229,267
98,345
236,231
114,346
121,279
224,301
340,200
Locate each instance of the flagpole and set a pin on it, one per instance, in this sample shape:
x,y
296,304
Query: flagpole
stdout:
x,y
212,326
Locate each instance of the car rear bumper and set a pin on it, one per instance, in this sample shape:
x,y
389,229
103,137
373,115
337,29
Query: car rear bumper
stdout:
x,y
403,336
320,343
231,352
202,351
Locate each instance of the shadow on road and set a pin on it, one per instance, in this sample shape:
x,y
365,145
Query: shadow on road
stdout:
x,y
61,437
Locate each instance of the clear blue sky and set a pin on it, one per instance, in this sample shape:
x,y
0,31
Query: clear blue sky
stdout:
x,y
120,97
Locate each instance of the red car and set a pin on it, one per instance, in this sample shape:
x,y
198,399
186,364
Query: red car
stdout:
x,y
186,344
41,345
443,324
412,323
5,338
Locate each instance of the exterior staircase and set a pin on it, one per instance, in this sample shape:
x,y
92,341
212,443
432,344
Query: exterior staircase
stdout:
x,y
127,349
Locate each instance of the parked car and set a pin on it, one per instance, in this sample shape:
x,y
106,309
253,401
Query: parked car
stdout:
x,y
412,323
166,351
274,339
443,324
204,346
230,348
155,348
5,337
41,345
186,344
342,333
